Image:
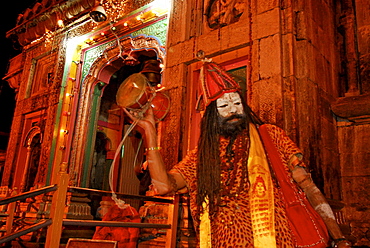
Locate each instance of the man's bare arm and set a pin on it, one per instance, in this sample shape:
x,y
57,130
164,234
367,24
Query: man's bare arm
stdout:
x,y
163,182
319,203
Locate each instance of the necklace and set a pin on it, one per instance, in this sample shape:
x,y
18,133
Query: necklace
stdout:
x,y
234,166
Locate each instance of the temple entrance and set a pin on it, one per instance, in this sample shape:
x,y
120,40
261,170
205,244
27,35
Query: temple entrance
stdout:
x,y
112,125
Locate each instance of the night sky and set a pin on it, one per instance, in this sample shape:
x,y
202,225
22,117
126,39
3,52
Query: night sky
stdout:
x,y
7,96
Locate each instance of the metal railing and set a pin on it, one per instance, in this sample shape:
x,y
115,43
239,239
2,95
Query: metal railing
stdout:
x,y
57,213
11,200
9,237
28,194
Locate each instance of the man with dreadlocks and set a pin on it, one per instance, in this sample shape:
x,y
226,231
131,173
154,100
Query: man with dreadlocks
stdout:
x,y
247,183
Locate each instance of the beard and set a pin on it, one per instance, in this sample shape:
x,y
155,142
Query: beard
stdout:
x,y
233,125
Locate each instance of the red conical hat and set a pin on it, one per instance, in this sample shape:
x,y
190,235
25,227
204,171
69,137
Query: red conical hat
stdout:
x,y
215,82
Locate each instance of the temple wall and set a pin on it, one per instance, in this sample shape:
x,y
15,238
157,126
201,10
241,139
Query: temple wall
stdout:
x,y
293,71
354,143
295,81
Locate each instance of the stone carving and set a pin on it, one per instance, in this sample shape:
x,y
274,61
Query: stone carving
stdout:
x,y
223,12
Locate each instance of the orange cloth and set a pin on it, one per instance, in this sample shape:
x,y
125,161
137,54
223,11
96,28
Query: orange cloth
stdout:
x,y
231,226
307,226
126,236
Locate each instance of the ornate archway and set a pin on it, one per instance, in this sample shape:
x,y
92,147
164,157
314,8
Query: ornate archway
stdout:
x,y
126,52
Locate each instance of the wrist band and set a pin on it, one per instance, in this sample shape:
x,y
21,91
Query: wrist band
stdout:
x,y
153,148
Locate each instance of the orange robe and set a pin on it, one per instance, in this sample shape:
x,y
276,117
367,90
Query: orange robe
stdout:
x,y
231,224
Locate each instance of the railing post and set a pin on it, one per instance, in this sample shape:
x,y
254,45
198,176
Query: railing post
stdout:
x,y
10,212
57,211
173,214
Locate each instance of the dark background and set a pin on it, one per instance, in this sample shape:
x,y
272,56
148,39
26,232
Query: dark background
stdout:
x,y
7,95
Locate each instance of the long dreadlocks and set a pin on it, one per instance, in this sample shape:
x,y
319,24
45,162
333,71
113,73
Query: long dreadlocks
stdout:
x,y
208,167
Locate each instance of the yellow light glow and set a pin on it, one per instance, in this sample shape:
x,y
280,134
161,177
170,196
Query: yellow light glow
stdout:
x,y
63,130
162,4
60,23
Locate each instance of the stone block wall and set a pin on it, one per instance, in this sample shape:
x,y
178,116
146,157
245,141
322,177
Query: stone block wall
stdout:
x,y
354,143
294,81
363,39
316,67
293,72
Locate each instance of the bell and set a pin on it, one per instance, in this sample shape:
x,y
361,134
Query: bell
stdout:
x,y
152,71
98,14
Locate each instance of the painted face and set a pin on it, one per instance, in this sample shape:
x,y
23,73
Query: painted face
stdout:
x,y
229,104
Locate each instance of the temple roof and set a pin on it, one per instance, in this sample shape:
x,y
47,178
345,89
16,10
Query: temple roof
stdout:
x,y
44,16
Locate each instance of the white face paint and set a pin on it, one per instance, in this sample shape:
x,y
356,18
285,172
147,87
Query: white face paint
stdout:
x,y
229,104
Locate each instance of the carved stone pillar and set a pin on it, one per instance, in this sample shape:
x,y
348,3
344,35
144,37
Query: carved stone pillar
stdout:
x,y
347,22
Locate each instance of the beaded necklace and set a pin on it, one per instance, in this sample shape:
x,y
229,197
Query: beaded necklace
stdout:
x,y
231,185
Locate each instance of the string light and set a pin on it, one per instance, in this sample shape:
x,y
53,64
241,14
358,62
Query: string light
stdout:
x,y
67,114
60,23
64,131
156,13
47,37
114,9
